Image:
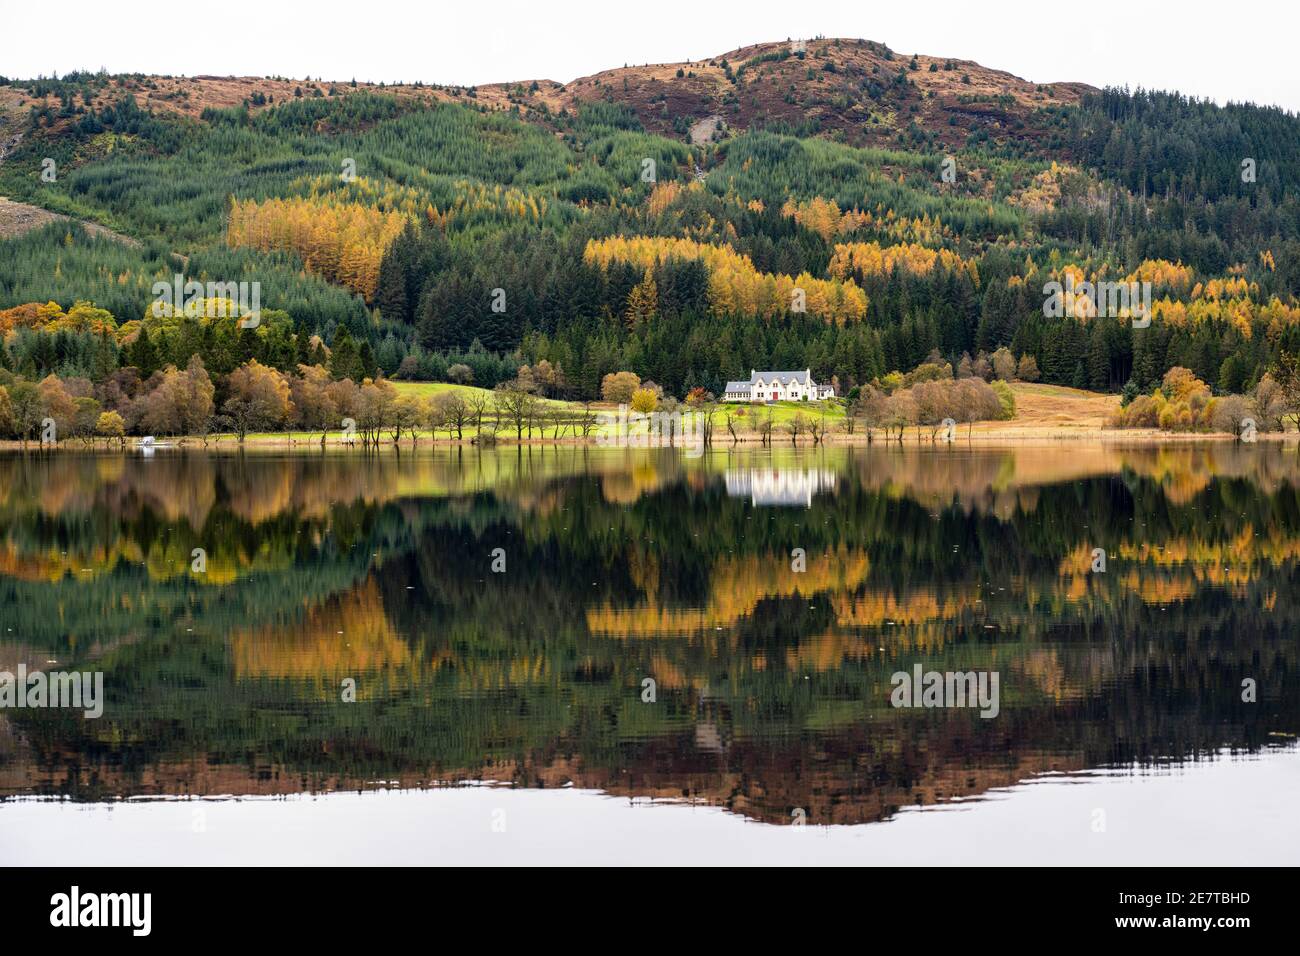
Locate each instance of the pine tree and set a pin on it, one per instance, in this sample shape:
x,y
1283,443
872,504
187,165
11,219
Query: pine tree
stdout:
x,y
1080,377
345,362
642,301
142,355
366,359
1098,358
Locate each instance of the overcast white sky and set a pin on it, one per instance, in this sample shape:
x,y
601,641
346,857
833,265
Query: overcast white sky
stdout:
x,y
1226,51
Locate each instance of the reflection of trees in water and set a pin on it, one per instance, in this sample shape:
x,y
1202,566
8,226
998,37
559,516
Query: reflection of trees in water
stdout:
x,y
120,563
773,685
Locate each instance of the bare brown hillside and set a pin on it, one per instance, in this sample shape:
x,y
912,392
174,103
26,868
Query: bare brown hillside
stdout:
x,y
852,89
17,218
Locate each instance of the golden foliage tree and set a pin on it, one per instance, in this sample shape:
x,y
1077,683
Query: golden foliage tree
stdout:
x,y
642,301
340,240
735,286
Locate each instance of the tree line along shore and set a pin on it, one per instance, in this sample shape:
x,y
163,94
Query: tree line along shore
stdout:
x,y
256,404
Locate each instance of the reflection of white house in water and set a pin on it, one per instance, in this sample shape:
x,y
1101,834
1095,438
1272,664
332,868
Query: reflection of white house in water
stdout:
x,y
777,386
779,486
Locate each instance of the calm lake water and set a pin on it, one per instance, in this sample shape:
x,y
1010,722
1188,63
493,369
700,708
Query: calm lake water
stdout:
x,y
609,655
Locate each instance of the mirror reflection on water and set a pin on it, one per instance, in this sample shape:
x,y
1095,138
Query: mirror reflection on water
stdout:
x,y
719,632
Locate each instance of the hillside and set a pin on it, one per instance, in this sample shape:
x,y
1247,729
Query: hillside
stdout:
x,y
839,207
856,90
847,88
17,219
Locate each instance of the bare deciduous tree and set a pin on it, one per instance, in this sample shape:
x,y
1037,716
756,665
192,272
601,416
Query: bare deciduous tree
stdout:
x,y
456,413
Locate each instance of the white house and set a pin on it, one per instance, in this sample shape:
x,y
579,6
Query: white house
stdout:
x,y
777,387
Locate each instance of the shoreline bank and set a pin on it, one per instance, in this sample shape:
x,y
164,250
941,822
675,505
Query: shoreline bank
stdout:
x,y
302,441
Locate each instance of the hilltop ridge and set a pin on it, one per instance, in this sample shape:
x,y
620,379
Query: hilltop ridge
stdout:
x,y
856,90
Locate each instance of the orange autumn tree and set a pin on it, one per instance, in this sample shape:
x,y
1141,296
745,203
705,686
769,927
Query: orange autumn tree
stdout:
x,y
339,240
824,217
872,259
662,196
1162,273
475,203
735,286
643,301
50,317
818,215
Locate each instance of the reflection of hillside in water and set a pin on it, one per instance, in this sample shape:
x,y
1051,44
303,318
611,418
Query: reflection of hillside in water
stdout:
x,y
773,684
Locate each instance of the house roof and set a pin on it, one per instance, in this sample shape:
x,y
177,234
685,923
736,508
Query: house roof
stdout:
x,y
801,376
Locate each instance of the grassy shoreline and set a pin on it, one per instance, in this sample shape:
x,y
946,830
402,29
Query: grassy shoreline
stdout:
x,y
1000,434
1047,414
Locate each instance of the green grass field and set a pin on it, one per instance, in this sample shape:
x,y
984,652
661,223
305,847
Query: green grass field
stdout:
x,y
745,417
782,412
428,389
